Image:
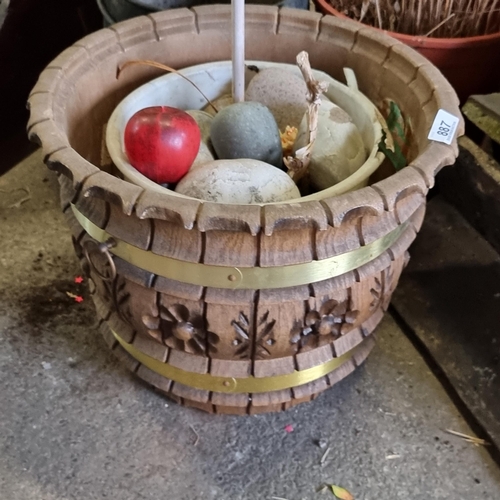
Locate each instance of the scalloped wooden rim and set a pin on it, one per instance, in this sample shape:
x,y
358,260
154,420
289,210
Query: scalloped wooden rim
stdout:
x,y
59,155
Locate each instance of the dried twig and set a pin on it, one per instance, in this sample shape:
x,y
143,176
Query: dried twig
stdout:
x,y
439,25
323,458
297,167
154,64
196,434
469,439
442,18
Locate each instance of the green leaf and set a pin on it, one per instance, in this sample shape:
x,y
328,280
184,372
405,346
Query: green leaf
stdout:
x,y
341,493
395,121
396,157
395,130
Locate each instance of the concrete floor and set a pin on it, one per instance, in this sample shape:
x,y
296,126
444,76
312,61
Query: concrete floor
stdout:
x,y
74,424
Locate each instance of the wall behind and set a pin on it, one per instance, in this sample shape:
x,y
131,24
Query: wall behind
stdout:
x,y
32,33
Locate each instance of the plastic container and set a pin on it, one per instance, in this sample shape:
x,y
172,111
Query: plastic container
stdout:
x,y
214,79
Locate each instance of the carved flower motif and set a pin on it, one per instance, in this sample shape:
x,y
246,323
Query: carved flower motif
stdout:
x,y
332,319
178,329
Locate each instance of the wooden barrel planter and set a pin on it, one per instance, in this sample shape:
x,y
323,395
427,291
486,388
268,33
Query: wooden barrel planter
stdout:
x,y
236,309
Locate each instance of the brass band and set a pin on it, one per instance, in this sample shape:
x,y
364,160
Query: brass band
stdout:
x,y
230,385
253,278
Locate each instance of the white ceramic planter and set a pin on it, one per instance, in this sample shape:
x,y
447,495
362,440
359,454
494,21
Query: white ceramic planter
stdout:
x,y
214,79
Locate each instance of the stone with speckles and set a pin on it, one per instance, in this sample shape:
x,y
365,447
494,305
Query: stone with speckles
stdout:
x,y
206,152
238,181
338,151
283,92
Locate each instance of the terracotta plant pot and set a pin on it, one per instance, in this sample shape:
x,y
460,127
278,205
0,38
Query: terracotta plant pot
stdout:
x,y
243,308
114,11
470,64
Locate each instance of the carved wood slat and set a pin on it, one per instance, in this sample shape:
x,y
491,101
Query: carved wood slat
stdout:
x,y
151,347
335,241
277,318
177,288
272,398
367,295
66,192
308,390
215,217
347,341
175,241
230,248
133,273
391,277
234,404
287,247
96,210
128,228
151,377
230,313
190,394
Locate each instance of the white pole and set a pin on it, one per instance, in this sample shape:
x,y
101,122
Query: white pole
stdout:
x,y
238,49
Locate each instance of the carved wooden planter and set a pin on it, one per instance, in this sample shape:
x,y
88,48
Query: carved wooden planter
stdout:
x,y
194,296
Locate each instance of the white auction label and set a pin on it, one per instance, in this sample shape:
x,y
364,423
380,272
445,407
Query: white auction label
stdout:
x,y
444,127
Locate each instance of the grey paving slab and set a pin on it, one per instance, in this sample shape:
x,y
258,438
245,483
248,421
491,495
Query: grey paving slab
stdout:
x,y
450,296
74,424
473,186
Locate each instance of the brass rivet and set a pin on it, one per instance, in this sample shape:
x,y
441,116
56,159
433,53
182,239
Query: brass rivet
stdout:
x,y
226,383
231,277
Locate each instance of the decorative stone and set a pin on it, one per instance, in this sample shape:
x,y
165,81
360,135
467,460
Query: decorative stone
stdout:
x,y
205,153
283,92
247,130
240,181
204,121
338,151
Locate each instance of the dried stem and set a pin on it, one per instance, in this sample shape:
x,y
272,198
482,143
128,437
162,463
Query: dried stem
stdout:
x,y
297,167
442,18
439,25
154,64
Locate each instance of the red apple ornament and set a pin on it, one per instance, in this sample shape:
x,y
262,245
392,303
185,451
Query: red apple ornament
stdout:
x,y
162,143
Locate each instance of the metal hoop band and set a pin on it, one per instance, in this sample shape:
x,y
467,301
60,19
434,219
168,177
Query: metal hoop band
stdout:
x,y
253,278
231,385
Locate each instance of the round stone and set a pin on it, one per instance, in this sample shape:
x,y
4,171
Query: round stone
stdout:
x,y
241,181
247,130
283,92
204,121
339,149
206,152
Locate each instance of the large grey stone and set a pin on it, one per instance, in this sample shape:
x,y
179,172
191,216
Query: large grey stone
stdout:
x,y
247,130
